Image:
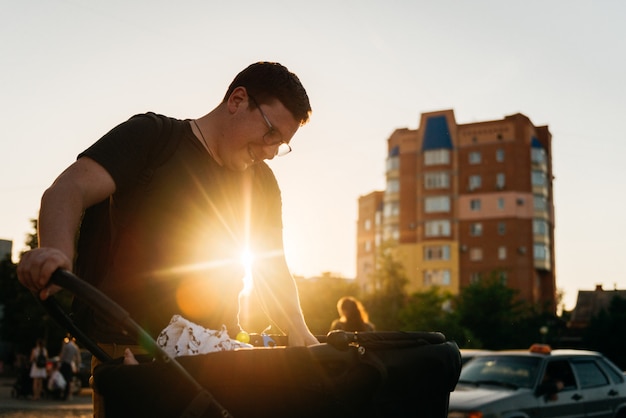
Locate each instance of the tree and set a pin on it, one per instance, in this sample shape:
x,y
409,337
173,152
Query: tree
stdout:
x,y
430,311
319,297
490,310
32,240
24,319
606,330
389,280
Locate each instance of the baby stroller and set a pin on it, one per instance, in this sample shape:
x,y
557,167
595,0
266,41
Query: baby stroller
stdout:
x,y
373,374
23,386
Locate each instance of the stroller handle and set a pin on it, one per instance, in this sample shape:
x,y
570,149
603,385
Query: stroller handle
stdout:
x,y
103,304
88,293
81,289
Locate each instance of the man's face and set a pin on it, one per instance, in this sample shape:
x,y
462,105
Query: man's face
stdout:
x,y
255,133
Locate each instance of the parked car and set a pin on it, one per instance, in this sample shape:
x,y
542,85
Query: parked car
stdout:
x,y
539,382
469,353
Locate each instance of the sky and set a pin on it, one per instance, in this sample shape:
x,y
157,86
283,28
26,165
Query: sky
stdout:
x,y
70,70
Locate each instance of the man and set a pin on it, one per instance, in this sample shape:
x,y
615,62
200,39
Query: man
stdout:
x,y
69,359
174,241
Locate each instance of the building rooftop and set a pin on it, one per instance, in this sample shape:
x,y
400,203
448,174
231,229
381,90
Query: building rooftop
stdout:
x,y
590,303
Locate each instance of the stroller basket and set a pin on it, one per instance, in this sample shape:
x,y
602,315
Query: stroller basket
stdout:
x,y
370,374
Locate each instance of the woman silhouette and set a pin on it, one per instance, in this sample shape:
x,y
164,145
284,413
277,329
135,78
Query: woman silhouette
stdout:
x,y
352,316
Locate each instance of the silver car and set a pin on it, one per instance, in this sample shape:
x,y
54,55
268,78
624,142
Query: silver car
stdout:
x,y
537,383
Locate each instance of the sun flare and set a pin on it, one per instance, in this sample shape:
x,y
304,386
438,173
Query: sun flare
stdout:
x,y
247,258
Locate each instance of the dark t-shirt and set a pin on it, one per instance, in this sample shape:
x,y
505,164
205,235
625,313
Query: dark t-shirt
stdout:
x,y
177,241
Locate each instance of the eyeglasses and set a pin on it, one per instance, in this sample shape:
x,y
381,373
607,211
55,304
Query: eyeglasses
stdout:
x,y
272,136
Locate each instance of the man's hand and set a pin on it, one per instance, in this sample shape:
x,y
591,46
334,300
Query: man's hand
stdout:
x,y
36,268
302,338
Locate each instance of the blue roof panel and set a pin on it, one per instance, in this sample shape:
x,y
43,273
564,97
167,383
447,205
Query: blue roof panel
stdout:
x,y
534,143
437,134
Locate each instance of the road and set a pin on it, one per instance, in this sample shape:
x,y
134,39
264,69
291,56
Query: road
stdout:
x,y
78,407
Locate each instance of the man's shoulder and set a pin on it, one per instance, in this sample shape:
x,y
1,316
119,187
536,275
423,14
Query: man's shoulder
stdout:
x,y
158,120
154,116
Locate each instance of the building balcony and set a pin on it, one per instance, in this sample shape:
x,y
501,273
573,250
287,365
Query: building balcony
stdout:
x,y
543,265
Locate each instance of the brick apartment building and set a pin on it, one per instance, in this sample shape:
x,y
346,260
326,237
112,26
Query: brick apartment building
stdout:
x,y
464,202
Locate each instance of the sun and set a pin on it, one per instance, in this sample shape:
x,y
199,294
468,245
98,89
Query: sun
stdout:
x,y
247,258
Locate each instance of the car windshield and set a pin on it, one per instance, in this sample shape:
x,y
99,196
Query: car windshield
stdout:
x,y
508,371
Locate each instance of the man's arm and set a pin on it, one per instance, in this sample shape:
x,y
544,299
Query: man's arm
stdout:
x,y
81,185
273,281
277,290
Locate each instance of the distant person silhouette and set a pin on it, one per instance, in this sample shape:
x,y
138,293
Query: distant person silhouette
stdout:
x,y
69,360
38,372
352,316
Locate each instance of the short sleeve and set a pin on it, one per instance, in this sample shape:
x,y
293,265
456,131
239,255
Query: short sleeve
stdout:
x,y
125,149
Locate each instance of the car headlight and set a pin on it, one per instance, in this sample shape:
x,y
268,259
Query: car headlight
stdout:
x,y
470,414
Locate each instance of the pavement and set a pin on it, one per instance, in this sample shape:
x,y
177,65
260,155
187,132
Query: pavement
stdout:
x,y
11,407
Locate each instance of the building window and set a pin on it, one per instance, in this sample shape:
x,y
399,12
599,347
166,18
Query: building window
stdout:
x,y
438,180
393,163
391,232
501,228
475,278
475,204
368,246
437,204
476,254
501,203
437,156
368,224
539,178
500,155
391,209
541,252
540,227
437,228
474,182
393,186
475,157
540,203
500,181
476,229
538,155
436,278
437,252
501,253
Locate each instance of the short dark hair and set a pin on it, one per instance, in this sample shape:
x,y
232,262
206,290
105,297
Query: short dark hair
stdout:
x,y
270,80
